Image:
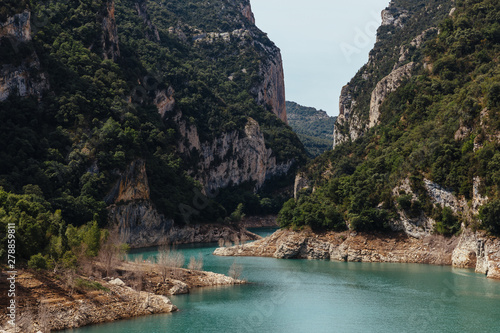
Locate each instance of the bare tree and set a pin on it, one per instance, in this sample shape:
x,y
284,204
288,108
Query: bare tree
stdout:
x,y
235,270
112,251
196,264
169,261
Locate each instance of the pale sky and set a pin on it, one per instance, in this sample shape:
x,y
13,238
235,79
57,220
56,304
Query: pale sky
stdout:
x,y
323,44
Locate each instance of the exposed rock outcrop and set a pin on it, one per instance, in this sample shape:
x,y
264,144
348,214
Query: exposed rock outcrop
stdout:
x,y
479,251
271,91
227,37
301,182
17,27
394,16
20,79
46,302
422,226
165,101
348,125
24,79
110,44
132,211
418,227
133,184
246,10
141,225
346,246
469,250
54,306
386,86
387,66
233,158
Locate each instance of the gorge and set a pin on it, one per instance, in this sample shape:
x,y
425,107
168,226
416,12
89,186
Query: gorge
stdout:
x,y
151,124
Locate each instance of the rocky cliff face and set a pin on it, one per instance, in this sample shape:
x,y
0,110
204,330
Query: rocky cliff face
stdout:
x,y
301,183
233,158
423,225
271,91
386,86
246,10
388,65
24,79
132,211
141,225
479,251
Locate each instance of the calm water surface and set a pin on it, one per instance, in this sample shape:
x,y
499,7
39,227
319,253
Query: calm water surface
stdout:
x,y
323,296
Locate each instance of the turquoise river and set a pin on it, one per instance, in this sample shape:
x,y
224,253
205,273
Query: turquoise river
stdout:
x,y
323,296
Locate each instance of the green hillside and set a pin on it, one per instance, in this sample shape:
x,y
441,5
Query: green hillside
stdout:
x,y
313,127
442,125
63,148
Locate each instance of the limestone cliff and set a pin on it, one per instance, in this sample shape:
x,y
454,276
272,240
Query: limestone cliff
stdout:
x,y
479,251
404,29
384,87
246,10
24,77
131,209
271,91
141,225
233,158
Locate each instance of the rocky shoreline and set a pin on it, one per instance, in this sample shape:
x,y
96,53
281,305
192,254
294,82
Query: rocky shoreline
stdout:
x,y
469,250
49,302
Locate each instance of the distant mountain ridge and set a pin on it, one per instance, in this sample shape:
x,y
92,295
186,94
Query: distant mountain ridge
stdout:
x,y
314,127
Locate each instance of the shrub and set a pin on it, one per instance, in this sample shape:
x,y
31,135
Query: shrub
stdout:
x,y
37,261
490,216
83,284
447,223
370,220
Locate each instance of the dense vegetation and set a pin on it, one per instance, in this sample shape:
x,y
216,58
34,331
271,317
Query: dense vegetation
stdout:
x,y
313,127
442,124
99,114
